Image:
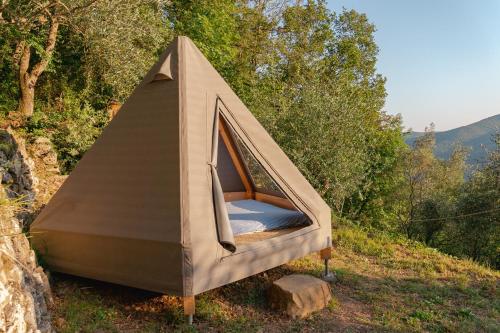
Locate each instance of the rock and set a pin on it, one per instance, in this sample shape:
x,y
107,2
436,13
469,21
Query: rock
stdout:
x,y
41,147
50,159
3,157
299,295
24,287
6,177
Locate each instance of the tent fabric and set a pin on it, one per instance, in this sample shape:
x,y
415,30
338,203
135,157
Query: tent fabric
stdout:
x,y
247,216
139,209
228,175
224,230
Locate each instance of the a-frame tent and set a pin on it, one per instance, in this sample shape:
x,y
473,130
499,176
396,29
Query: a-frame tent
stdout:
x,y
146,205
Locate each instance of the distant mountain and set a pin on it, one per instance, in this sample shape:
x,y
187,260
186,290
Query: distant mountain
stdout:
x,y
477,137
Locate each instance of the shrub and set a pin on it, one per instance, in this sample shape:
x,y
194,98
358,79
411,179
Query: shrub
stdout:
x,y
72,125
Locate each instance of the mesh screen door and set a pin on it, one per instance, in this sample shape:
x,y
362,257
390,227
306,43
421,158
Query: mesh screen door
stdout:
x,y
261,179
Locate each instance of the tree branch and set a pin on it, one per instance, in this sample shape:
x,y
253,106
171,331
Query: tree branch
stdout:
x,y
18,52
77,8
24,62
49,50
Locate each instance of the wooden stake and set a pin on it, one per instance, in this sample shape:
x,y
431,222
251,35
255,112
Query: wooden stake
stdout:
x,y
188,302
326,253
189,306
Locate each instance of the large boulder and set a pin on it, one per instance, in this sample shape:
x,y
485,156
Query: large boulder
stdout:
x,y
299,295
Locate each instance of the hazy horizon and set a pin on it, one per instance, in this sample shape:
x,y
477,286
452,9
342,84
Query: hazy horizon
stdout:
x,y
441,59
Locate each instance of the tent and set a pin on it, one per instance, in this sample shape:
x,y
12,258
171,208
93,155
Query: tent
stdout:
x,y
154,202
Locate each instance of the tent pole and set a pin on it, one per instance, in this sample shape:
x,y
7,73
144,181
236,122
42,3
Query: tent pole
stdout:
x,y
189,305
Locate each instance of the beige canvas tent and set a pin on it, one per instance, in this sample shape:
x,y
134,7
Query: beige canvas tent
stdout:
x,y
155,202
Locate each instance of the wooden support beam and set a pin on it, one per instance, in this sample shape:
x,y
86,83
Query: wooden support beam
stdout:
x,y
274,200
189,306
326,253
234,196
236,158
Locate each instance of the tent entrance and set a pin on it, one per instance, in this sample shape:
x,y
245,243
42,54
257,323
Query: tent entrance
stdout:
x,y
257,207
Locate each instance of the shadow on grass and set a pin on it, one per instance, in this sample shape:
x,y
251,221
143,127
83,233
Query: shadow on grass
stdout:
x,y
88,305
362,304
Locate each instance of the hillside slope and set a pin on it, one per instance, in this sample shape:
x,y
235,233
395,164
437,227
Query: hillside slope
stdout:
x,y
384,285
477,137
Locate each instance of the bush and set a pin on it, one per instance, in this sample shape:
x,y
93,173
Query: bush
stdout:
x,y
72,125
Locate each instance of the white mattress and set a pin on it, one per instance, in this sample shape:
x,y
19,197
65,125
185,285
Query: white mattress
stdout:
x,y
247,216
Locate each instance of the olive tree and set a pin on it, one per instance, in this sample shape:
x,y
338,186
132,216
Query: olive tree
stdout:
x,y
120,39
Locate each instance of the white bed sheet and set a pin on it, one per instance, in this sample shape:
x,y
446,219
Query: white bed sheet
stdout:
x,y
247,216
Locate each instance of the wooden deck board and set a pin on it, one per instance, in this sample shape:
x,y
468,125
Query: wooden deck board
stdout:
x,y
262,235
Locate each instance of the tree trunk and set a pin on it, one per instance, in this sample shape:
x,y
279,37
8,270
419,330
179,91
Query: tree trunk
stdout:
x,y
27,79
27,100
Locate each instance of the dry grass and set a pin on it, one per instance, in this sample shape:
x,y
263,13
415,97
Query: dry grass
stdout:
x,y
384,284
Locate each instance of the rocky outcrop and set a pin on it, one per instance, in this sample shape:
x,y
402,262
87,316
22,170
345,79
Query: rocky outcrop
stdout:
x,y
46,171
24,288
16,168
299,295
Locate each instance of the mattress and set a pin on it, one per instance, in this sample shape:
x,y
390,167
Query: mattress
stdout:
x,y
247,216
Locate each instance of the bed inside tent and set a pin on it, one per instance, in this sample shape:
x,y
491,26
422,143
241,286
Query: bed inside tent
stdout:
x,y
257,208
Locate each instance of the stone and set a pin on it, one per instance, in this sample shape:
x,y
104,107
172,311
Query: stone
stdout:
x,y
3,157
7,177
42,146
24,288
299,295
50,159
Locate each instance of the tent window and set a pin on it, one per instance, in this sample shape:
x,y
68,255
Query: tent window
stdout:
x,y
257,208
262,181
228,174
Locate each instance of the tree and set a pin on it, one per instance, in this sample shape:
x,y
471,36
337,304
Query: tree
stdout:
x,y
324,110
34,26
122,39
257,21
212,25
475,231
430,189
119,38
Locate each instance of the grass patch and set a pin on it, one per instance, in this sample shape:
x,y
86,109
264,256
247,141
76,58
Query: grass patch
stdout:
x,y
84,313
384,283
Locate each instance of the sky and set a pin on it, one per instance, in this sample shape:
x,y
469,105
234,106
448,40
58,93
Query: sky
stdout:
x,y
441,58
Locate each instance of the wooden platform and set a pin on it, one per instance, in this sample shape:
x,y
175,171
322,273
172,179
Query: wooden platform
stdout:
x,y
261,235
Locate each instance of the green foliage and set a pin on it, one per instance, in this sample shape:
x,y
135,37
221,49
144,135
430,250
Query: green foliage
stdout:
x,y
121,39
72,125
308,74
87,311
212,26
390,293
428,191
8,83
475,232
324,109
360,241
437,206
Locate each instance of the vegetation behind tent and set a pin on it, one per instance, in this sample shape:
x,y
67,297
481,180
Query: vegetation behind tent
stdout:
x,y
308,74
